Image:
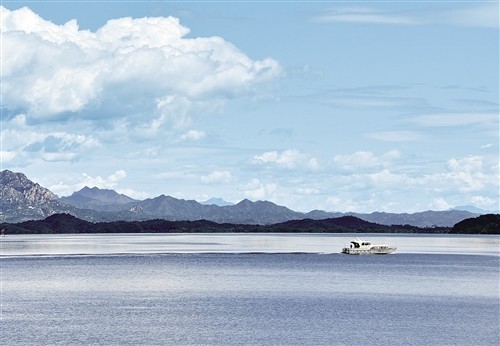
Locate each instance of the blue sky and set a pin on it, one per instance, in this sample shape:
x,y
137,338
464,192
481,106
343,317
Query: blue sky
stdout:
x,y
341,105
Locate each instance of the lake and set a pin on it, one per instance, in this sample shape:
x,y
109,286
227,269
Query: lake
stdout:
x,y
248,289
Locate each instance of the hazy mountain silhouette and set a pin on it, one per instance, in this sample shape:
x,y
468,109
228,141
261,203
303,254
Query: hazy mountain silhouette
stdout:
x,y
24,200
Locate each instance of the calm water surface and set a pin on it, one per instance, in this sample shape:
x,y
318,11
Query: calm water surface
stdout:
x,y
105,244
248,290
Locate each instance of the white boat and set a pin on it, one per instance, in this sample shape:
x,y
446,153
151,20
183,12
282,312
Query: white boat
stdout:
x,y
364,247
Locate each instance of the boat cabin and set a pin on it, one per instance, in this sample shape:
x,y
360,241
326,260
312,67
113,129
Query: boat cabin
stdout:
x,y
357,243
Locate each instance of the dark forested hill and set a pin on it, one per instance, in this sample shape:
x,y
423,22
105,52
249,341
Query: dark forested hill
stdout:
x,y
65,223
347,224
484,224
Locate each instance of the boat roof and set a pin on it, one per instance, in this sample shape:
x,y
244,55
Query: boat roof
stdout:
x,y
357,240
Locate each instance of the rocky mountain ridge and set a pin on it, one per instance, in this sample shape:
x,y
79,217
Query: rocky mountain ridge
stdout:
x,y
23,200
16,186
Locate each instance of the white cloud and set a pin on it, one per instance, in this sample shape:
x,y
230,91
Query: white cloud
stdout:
x,y
217,177
54,157
108,182
144,69
71,184
25,144
287,159
472,180
440,204
485,202
267,157
466,175
193,135
256,190
365,159
387,179
366,15
468,164
7,156
117,176
483,15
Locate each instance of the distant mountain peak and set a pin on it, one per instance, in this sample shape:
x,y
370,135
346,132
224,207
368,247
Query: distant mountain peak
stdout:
x,y
472,209
245,201
94,197
89,189
217,201
96,190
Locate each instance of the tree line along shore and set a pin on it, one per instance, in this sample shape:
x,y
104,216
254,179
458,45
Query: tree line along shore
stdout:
x,y
65,223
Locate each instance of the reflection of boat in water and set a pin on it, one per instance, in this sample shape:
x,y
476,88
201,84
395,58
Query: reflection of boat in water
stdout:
x,y
364,247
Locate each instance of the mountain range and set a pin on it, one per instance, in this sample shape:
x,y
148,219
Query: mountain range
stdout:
x,y
23,200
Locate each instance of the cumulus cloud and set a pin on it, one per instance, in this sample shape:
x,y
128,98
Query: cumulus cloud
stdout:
x,y
26,144
467,180
7,156
55,157
267,157
464,175
143,69
217,177
287,159
72,184
60,141
108,182
193,135
256,190
487,202
115,177
440,204
468,175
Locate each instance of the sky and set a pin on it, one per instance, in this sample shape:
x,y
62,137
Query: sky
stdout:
x,y
358,106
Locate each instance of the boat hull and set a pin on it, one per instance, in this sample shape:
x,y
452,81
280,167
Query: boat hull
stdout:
x,y
373,251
